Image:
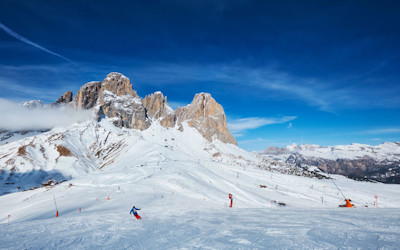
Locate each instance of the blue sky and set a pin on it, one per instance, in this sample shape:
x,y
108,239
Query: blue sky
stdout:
x,y
320,72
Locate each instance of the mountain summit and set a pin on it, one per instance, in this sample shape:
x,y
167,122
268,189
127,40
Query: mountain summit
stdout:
x,y
115,98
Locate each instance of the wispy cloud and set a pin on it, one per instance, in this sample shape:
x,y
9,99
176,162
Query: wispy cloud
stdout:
x,y
16,117
274,84
239,125
29,42
19,91
383,131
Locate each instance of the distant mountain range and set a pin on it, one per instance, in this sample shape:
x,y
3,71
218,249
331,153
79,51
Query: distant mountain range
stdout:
x,y
358,161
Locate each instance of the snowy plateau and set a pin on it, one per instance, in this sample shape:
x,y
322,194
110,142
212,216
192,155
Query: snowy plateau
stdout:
x,y
181,182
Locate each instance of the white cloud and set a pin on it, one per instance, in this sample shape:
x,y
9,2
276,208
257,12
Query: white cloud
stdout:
x,y
16,117
29,42
290,125
324,94
242,124
383,131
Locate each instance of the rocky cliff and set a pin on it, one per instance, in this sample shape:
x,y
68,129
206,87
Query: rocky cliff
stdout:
x,y
157,109
208,117
115,98
87,96
65,98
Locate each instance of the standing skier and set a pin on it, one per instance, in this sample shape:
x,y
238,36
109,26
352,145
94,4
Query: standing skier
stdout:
x,y
134,212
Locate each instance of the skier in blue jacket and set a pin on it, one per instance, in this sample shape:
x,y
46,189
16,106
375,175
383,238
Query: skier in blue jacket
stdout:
x,y
134,212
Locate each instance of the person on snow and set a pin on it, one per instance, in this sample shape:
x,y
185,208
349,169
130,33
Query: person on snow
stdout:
x,y
134,212
348,204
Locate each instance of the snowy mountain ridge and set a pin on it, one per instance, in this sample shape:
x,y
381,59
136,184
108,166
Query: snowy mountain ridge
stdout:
x,y
387,151
360,161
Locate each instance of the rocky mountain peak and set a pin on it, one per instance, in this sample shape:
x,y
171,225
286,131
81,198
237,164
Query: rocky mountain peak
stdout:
x,y
208,117
115,98
118,84
156,107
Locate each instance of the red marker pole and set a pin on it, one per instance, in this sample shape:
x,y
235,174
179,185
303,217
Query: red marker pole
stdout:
x,y
55,205
376,197
80,210
9,218
230,197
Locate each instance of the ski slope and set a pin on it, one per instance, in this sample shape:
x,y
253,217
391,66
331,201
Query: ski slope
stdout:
x,y
181,182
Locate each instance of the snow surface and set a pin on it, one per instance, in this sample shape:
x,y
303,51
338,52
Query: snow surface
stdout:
x,y
181,184
11,136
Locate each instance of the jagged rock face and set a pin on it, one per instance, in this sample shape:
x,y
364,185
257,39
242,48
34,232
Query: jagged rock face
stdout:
x,y
157,108
115,98
65,98
118,84
87,96
208,117
128,110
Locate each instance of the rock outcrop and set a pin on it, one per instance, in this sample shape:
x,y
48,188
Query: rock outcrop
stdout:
x,y
115,98
157,108
87,96
127,109
118,84
65,98
208,117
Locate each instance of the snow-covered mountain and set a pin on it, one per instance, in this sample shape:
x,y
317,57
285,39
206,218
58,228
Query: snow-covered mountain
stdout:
x,y
381,162
33,104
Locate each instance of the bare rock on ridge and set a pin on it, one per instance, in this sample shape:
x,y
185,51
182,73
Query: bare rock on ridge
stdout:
x,y
87,96
128,110
208,117
157,108
118,84
117,99
65,98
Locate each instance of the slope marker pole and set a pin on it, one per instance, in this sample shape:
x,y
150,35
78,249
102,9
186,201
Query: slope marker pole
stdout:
x,y
55,205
